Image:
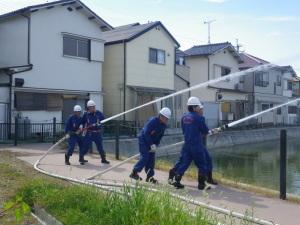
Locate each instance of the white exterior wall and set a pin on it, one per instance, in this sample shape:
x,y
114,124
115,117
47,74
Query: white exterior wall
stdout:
x,y
223,58
13,41
199,74
51,70
139,72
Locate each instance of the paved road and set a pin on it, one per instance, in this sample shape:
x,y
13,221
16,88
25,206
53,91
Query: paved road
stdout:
x,y
271,209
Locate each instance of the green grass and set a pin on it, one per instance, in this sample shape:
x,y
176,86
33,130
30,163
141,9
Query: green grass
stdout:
x,y
82,205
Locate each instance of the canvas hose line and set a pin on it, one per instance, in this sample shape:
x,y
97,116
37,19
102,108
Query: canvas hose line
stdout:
x,y
198,203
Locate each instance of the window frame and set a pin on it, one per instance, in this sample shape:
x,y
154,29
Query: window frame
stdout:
x,y
289,85
260,81
78,40
224,68
156,56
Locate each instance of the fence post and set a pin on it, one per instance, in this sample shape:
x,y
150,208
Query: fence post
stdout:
x,y
283,143
16,132
117,131
54,130
42,133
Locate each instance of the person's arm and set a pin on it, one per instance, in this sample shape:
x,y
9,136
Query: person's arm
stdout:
x,y
202,126
149,130
68,125
100,117
161,135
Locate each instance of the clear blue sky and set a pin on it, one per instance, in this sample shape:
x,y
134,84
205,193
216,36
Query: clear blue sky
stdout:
x,y
266,28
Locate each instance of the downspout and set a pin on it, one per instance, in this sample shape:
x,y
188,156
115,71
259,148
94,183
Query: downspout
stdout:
x,y
28,38
10,104
124,80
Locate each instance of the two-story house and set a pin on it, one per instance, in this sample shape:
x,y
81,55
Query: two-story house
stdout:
x,y
139,67
51,58
224,101
181,81
267,89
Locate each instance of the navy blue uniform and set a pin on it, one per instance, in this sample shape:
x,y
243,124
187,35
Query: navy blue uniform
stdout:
x,y
193,127
72,126
152,133
91,122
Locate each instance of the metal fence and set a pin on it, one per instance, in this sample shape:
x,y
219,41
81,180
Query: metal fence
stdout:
x,y
20,132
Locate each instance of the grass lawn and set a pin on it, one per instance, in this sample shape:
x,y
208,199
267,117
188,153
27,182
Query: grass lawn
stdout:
x,y
82,205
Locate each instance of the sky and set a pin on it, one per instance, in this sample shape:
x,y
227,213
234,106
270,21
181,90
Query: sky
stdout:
x,y
267,29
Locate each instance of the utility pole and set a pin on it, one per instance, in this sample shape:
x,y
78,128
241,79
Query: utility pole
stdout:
x,y
208,26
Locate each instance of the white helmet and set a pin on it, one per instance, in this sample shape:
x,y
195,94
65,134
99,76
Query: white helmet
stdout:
x,y
77,108
90,103
166,112
194,101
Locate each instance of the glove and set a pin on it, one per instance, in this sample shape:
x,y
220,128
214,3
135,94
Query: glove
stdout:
x,y
153,148
214,131
67,136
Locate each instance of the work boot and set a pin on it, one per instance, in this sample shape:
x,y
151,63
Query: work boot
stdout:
x,y
210,179
202,185
151,180
104,161
67,160
82,160
171,176
134,175
177,183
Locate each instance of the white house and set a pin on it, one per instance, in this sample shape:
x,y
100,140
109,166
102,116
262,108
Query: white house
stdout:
x,y
269,88
51,58
223,101
139,67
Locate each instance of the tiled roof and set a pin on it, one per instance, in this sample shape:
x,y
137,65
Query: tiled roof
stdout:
x,y
250,61
131,31
209,49
206,49
33,8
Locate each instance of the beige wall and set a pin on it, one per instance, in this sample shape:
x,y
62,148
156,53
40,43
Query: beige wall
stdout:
x,y
139,72
113,68
142,73
199,73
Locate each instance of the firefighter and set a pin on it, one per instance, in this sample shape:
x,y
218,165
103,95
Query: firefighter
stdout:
x,y
193,127
208,159
73,129
149,138
93,131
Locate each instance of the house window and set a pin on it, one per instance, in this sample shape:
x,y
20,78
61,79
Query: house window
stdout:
x,y
278,80
290,85
261,79
265,107
279,111
157,56
75,46
292,109
225,71
37,101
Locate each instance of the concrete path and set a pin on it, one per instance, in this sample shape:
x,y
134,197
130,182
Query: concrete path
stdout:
x,y
275,210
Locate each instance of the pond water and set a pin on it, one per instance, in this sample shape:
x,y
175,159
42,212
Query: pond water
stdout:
x,y
258,164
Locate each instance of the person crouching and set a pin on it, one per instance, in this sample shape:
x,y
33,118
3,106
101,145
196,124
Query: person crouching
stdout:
x,y
149,138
